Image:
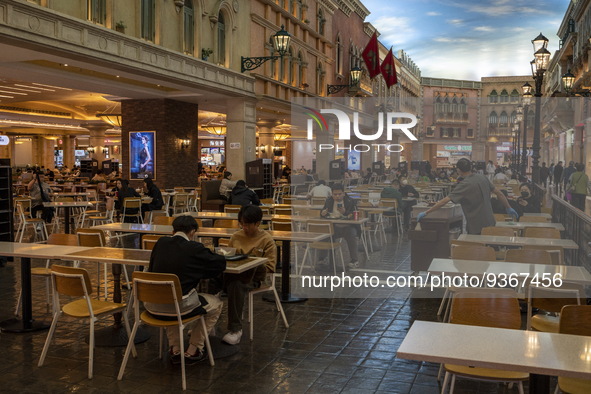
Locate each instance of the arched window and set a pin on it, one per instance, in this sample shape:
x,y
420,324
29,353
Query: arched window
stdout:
x,y
97,11
504,119
513,118
438,104
446,105
221,39
292,68
301,71
492,118
454,105
463,107
299,7
531,115
504,96
339,57
321,21
514,96
148,19
493,97
188,28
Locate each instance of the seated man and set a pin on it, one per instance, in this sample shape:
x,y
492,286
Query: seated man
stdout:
x,y
252,241
339,205
191,262
393,191
320,190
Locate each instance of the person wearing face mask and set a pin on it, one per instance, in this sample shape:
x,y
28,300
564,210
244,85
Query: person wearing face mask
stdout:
x,y
407,190
528,203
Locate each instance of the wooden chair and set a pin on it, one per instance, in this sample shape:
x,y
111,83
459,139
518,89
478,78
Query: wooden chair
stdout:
x,y
226,223
330,245
306,212
134,204
264,288
501,217
550,300
150,215
45,272
541,232
160,288
149,240
575,320
456,242
163,220
469,252
107,217
498,310
318,200
529,256
533,219
75,282
557,252
229,208
493,230
283,211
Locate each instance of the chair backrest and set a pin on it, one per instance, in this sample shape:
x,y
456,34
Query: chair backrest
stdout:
x,y
164,220
316,226
469,252
91,237
267,201
289,200
266,210
541,232
486,309
62,239
149,240
157,288
306,212
283,211
318,200
110,204
493,230
456,242
533,219
557,252
531,256
71,281
226,223
64,199
181,199
231,208
131,203
575,320
281,225
224,242
25,203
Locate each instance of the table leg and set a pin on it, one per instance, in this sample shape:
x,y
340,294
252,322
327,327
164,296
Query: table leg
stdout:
x,y
539,384
116,335
285,272
67,220
27,324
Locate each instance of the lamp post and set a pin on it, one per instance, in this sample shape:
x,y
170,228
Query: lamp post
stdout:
x,y
516,141
538,66
355,77
281,41
527,98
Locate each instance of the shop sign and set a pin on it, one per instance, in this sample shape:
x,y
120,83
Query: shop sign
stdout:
x,y
458,147
234,145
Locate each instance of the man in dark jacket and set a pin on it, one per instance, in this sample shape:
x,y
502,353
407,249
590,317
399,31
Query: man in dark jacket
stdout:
x,y
338,206
242,195
568,171
191,262
558,177
544,172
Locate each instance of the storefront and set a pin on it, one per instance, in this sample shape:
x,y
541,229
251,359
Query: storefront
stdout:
x,y
212,151
448,155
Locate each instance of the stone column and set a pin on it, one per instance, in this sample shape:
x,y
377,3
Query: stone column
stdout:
x,y
241,136
417,151
266,140
68,146
324,157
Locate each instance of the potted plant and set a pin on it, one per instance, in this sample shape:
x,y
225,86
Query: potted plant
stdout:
x,y
120,27
205,52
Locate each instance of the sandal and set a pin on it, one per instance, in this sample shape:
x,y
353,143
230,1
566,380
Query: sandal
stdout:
x,y
199,356
175,357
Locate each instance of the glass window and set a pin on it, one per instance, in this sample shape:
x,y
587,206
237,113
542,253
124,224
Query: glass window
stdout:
x,y
148,21
514,96
493,97
504,96
221,39
188,28
301,72
97,11
492,118
470,133
504,120
513,118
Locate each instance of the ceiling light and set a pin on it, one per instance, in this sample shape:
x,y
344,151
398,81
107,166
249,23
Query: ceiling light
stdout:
x,y
50,86
5,91
24,90
34,87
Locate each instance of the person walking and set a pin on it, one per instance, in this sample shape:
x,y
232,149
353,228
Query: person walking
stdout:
x,y
551,173
473,194
578,185
558,169
544,172
568,171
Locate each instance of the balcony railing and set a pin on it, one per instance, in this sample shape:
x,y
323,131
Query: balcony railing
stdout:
x,y
577,227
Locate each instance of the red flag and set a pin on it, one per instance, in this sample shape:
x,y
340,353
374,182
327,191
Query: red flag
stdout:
x,y
371,56
389,70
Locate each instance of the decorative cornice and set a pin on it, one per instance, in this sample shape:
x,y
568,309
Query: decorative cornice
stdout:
x,y
345,7
331,5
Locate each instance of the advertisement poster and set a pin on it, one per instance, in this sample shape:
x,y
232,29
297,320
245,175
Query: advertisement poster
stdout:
x,y
354,161
142,154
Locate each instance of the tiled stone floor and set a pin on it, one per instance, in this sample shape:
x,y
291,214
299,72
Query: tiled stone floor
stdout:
x,y
332,346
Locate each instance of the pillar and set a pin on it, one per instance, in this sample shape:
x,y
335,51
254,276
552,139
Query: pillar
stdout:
x,y
241,136
97,140
478,149
417,151
324,157
173,164
266,141
68,146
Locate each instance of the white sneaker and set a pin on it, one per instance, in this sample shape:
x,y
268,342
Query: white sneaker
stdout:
x,y
232,338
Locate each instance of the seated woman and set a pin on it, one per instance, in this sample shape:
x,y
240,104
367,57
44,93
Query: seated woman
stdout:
x,y
152,191
226,186
528,203
122,191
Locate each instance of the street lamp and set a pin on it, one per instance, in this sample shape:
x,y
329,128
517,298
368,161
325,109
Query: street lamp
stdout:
x,y
568,81
355,77
516,140
539,66
522,150
281,41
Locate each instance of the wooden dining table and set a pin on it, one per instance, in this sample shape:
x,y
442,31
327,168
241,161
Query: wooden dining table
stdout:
x,y
518,241
541,354
67,206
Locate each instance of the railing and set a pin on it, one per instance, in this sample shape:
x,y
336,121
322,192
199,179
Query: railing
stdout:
x,y
577,227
